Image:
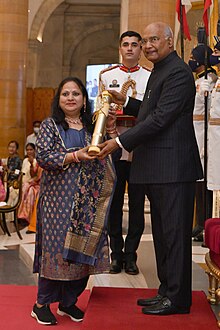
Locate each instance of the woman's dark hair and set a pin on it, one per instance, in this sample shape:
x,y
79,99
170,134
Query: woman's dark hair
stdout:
x,y
85,113
32,145
15,142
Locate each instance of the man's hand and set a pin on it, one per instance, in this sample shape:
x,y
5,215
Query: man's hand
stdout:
x,y
107,147
117,98
111,119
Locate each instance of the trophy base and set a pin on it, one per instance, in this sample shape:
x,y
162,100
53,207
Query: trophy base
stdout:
x,y
93,151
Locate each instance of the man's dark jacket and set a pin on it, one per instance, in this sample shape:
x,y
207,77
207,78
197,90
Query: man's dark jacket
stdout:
x,y
163,140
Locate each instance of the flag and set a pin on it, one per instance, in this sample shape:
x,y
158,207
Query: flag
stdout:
x,y
214,16
186,5
207,5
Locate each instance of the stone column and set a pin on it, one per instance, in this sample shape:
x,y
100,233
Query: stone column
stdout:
x,y
142,12
124,16
13,49
33,55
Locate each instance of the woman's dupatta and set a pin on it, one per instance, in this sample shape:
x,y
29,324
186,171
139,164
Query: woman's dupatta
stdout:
x,y
89,214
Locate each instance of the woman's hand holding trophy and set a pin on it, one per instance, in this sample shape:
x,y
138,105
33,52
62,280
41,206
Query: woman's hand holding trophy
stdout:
x,y
105,118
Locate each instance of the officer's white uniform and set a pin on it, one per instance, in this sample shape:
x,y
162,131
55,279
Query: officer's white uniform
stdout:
x,y
122,79
130,82
213,180
199,113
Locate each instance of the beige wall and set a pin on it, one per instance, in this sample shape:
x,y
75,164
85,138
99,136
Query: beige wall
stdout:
x,y
64,36
73,36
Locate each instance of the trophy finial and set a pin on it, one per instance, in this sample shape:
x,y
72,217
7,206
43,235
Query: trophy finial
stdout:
x,y
201,35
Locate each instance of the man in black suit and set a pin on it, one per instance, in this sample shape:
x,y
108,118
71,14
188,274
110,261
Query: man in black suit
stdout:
x,y
166,161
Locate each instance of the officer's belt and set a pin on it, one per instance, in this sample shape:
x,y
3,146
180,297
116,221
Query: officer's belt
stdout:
x,y
125,121
214,121
198,117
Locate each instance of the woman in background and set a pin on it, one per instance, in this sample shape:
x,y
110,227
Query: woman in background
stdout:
x,y
12,165
30,183
2,188
13,161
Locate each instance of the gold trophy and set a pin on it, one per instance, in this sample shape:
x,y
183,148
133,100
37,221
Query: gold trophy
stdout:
x,y
100,117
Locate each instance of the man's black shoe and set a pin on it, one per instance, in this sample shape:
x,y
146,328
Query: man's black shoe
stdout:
x,y
199,237
131,268
197,230
116,266
150,301
164,307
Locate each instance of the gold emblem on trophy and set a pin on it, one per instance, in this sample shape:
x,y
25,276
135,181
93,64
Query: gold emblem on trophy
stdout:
x,y
100,116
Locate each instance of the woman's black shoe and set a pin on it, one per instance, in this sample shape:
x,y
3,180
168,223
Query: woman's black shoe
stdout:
x,y
43,315
30,232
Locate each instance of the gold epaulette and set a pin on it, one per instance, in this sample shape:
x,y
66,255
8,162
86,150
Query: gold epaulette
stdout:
x,y
109,68
146,68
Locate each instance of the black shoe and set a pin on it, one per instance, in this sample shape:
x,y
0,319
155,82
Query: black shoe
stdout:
x,y
197,230
43,315
199,237
30,232
72,311
164,307
116,266
150,301
22,223
131,268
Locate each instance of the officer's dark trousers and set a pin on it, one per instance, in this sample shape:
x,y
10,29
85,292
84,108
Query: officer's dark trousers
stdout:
x,y
126,250
201,195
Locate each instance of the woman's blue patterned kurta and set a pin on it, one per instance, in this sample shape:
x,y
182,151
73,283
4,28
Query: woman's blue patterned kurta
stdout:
x,y
59,193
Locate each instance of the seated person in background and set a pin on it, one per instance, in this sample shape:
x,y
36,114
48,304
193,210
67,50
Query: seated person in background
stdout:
x,y
30,185
33,136
33,220
2,188
13,162
12,165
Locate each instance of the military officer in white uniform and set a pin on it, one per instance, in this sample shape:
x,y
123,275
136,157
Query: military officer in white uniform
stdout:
x,y
197,64
130,79
213,180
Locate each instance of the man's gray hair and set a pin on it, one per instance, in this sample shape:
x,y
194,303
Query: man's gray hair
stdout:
x,y
168,32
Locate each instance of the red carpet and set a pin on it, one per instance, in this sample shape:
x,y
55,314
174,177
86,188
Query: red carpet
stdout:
x,y
16,304
115,308
108,309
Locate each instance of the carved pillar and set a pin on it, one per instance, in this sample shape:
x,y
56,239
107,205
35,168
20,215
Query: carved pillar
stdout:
x,y
124,16
13,49
34,50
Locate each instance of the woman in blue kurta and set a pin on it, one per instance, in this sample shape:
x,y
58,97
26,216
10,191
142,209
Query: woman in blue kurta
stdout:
x,y
75,194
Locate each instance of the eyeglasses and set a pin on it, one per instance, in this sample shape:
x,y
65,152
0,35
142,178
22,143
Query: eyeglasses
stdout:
x,y
151,40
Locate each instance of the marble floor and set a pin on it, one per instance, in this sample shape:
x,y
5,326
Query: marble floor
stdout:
x,y
16,259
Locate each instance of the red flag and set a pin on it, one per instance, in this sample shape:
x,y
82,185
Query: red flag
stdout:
x,y
207,4
184,20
